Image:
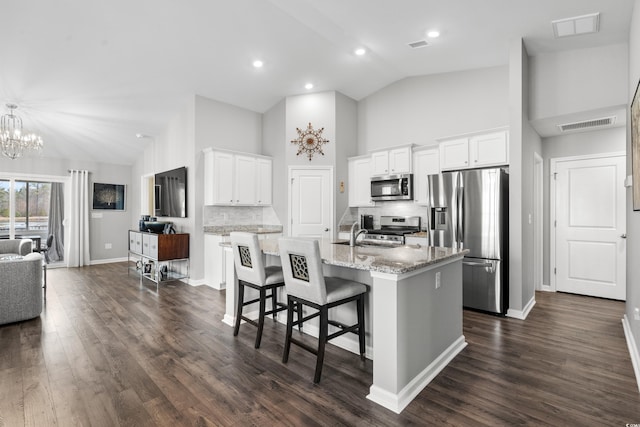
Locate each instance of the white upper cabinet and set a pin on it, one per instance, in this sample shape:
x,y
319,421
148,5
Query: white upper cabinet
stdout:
x,y
244,180
490,149
391,162
454,154
425,162
264,184
219,186
236,179
475,151
359,184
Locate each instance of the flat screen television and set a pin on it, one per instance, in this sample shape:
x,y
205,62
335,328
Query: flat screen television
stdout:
x,y
171,193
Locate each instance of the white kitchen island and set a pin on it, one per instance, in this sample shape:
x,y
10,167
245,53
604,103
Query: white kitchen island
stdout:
x,y
414,311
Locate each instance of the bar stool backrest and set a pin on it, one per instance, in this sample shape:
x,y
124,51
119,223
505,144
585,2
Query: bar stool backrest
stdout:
x,y
302,269
247,258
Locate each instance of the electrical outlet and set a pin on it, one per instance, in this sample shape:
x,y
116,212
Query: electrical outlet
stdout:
x,y
107,246
438,279
636,313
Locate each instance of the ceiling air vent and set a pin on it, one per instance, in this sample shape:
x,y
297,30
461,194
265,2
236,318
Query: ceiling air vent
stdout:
x,y
419,43
588,124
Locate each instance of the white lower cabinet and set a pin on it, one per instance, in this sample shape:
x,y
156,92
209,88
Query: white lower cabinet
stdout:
x,y
215,258
214,263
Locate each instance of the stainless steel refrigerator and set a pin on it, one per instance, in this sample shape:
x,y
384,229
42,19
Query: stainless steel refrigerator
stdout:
x,y
470,210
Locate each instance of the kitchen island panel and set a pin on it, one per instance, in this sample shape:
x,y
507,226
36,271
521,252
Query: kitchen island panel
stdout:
x,y
421,331
413,328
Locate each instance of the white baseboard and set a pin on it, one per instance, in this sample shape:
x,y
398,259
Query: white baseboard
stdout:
x,y
397,402
522,314
633,348
196,282
107,261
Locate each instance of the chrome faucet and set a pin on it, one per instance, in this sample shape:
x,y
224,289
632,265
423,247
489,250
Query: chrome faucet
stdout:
x,y
354,235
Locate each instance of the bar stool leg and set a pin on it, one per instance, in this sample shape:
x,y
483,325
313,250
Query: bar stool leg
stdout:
x,y
361,328
299,310
239,308
287,340
263,297
322,340
274,301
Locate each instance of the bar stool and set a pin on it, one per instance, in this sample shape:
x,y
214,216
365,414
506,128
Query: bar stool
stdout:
x,y
306,285
251,272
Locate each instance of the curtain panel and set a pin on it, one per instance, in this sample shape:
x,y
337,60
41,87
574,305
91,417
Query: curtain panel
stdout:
x,y
77,254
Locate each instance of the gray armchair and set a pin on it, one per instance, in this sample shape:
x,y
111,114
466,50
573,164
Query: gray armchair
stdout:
x,y
20,288
15,247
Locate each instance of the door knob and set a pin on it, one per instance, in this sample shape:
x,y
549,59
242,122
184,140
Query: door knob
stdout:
x,y
326,229
623,235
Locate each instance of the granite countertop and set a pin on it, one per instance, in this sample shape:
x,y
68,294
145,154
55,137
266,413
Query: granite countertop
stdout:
x,y
418,234
392,260
224,230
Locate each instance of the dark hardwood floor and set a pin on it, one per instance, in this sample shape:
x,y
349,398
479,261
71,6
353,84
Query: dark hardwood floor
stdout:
x,y
106,351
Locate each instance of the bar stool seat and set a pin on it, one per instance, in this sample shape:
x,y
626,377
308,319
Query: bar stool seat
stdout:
x,y
307,286
251,272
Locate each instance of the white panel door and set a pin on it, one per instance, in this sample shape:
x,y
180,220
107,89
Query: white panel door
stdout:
x,y
311,203
590,227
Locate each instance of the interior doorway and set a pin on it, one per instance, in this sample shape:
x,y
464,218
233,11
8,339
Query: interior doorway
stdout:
x,y
588,225
311,202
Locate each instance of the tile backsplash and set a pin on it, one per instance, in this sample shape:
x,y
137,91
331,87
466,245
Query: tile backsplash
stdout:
x,y
394,208
240,215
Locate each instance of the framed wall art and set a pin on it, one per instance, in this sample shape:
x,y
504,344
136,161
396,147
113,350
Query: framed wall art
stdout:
x,y
635,148
108,196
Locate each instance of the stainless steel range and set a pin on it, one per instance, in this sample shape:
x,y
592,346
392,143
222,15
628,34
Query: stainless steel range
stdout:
x,y
392,230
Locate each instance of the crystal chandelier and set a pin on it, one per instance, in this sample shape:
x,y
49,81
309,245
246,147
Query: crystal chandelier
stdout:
x,y
13,139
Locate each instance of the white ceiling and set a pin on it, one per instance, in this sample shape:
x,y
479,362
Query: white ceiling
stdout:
x,y
88,74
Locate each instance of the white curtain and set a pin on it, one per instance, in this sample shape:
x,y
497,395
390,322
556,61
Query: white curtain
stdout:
x,y
77,249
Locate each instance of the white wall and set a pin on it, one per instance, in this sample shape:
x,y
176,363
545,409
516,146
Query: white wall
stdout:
x,y
418,110
201,123
100,229
574,144
517,119
319,109
346,146
274,144
633,218
578,80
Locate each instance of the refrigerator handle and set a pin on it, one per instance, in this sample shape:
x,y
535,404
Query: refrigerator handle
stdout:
x,y
460,216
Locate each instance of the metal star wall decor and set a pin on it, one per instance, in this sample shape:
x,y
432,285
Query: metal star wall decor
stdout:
x,y
309,141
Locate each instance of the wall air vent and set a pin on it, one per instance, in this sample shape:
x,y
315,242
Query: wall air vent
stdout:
x,y
588,124
419,43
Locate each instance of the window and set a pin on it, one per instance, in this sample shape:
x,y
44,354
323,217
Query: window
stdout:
x,y
24,208
32,207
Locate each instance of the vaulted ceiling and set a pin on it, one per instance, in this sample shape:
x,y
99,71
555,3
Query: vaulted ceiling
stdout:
x,y
88,74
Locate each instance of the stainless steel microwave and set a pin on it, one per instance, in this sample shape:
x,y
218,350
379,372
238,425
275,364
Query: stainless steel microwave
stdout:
x,y
392,187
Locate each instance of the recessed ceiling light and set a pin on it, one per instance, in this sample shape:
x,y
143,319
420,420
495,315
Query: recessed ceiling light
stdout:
x,y
308,86
257,63
360,51
433,34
